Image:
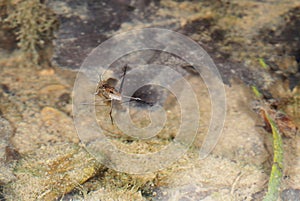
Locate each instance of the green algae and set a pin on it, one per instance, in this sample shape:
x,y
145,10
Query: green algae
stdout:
x,y
33,24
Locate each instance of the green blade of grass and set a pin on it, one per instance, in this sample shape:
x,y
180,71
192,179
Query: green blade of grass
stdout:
x,y
256,92
262,63
277,167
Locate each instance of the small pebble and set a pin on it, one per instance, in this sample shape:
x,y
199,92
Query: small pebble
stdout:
x,y
47,72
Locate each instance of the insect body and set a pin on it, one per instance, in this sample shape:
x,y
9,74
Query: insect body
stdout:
x,y
109,92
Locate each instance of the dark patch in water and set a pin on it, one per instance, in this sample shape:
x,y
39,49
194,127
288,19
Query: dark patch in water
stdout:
x,y
289,39
85,24
290,194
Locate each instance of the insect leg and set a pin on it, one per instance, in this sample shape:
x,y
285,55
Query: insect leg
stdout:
x,y
121,86
110,114
94,103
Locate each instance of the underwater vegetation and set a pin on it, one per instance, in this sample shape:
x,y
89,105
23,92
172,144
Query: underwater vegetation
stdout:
x,y
33,24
